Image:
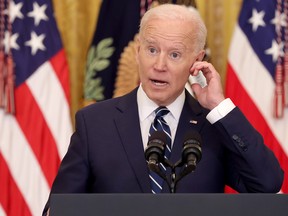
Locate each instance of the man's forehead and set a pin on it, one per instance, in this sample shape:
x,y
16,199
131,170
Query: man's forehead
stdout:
x,y
181,42
169,29
174,43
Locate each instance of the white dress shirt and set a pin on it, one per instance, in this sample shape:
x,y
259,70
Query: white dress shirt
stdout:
x,y
146,108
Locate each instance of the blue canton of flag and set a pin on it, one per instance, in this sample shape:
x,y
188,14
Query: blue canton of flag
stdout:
x,y
34,37
260,27
265,30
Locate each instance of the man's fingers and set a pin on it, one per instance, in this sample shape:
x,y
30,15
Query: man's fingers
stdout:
x,y
205,67
196,88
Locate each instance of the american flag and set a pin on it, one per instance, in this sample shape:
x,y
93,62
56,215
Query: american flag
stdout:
x,y
256,74
34,138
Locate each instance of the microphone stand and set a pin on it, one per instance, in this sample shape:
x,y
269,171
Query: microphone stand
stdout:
x,y
174,178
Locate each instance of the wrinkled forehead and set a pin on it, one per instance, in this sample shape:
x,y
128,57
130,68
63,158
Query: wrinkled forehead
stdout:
x,y
175,32
168,12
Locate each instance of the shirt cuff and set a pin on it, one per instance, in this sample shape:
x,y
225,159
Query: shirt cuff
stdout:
x,y
220,111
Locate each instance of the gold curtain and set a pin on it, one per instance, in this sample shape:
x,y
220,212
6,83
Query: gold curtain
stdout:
x,y
77,21
220,17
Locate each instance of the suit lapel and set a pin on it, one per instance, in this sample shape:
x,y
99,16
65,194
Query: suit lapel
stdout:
x,y
127,123
191,119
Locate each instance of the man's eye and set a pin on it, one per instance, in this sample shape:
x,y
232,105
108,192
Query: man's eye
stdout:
x,y
175,55
152,50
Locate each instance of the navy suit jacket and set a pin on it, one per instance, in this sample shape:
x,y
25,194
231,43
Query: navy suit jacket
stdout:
x,y
106,153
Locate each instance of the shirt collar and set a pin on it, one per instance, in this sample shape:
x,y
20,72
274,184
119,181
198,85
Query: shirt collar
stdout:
x,y
146,106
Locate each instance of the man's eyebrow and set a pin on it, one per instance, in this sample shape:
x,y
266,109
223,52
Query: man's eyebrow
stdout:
x,y
178,46
149,40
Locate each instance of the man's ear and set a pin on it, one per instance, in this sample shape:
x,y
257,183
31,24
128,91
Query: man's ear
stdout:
x,y
200,55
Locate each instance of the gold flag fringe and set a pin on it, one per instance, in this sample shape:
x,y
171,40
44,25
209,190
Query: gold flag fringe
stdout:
x,y
7,77
2,88
286,54
281,79
9,87
2,75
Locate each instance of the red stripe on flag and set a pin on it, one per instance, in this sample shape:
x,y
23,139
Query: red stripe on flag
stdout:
x,y
250,110
11,198
37,132
61,69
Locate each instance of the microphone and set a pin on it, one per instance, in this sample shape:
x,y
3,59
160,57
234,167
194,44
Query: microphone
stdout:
x,y
154,152
191,153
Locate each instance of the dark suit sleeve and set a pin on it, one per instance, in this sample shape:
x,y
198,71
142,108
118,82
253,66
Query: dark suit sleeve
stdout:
x,y
252,166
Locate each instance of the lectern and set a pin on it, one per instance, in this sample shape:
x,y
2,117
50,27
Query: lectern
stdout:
x,y
169,205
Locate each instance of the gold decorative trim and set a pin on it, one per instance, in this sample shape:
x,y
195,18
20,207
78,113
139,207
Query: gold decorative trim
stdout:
x,y
127,76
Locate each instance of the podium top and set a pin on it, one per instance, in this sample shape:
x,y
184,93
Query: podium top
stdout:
x,y
169,204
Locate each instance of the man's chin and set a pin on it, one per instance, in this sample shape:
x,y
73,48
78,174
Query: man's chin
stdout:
x,y
159,99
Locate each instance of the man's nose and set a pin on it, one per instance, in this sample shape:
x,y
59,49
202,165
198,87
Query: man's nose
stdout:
x,y
160,63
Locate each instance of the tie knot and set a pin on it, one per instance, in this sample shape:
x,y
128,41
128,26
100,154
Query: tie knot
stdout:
x,y
161,112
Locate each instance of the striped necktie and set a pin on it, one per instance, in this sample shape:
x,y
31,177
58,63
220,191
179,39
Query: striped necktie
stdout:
x,y
159,124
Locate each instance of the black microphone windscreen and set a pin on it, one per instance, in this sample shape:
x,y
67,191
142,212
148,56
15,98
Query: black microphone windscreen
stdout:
x,y
158,135
193,135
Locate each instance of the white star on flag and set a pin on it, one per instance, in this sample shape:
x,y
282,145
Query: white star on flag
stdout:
x,y
36,42
38,13
10,42
279,20
257,19
275,50
14,11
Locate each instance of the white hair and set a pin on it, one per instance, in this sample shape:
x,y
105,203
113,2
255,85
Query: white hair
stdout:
x,y
178,12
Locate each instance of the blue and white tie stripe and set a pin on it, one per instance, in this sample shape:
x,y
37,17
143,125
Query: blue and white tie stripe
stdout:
x,y
160,124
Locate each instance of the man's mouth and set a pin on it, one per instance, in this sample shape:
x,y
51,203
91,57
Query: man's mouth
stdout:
x,y
159,82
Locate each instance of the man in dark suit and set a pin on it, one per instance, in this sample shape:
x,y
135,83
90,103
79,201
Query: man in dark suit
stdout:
x,y
106,153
